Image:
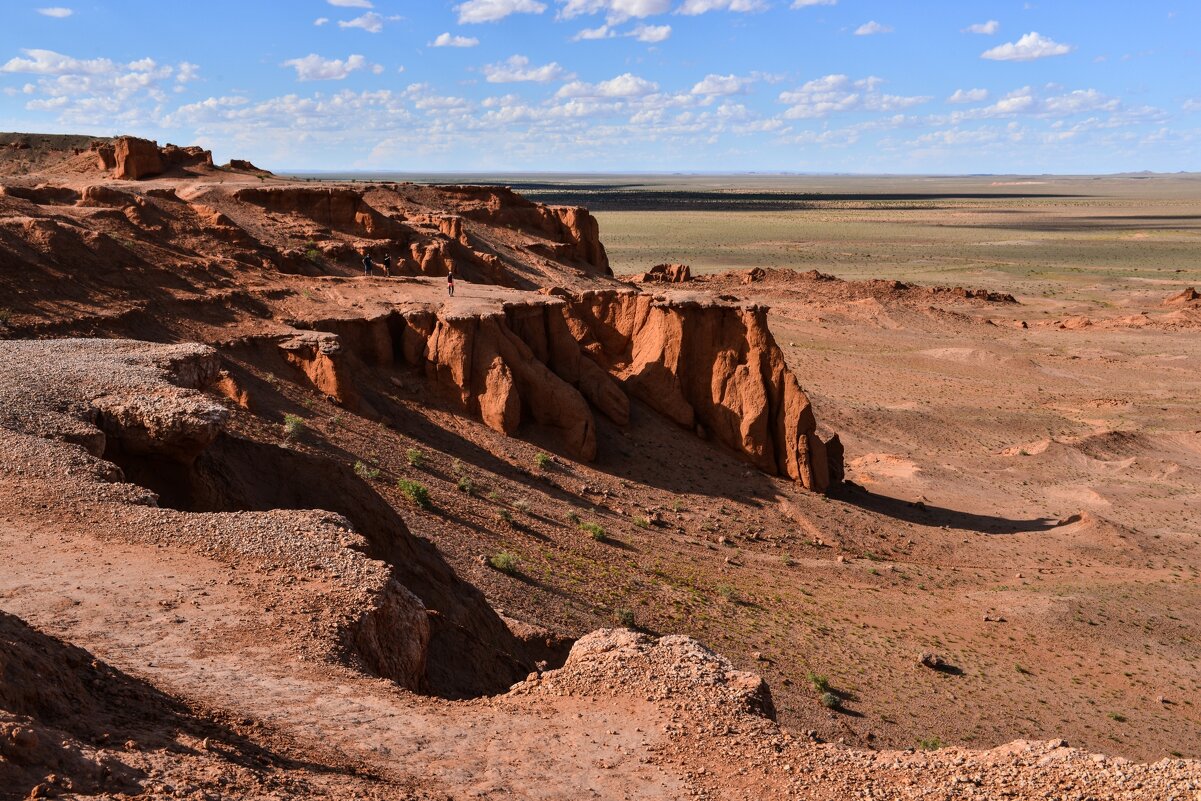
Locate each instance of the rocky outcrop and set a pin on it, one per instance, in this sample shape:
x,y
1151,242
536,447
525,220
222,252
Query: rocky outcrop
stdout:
x,y
707,366
129,158
334,207
1185,297
667,274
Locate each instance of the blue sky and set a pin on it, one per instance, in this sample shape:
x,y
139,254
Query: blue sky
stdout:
x,y
868,86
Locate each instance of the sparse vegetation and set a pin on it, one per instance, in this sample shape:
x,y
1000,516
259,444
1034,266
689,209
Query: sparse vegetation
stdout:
x,y
414,457
594,530
641,522
466,485
930,744
294,426
364,470
543,460
1117,716
505,562
728,592
522,505
831,701
415,492
6,315
572,518
626,618
505,516
819,682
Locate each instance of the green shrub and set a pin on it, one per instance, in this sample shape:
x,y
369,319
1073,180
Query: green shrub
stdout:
x,y
415,457
831,701
930,744
626,618
415,492
522,505
293,426
505,516
572,518
493,495
542,460
6,316
593,530
466,485
728,592
505,562
313,255
642,522
1117,716
819,682
364,470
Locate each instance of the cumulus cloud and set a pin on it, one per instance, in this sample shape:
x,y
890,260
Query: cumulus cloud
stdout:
x,y
494,10
1029,100
625,85
872,27
351,3
616,11
693,7
968,96
446,40
810,3
315,68
651,33
370,22
1031,46
58,12
517,69
321,21
986,28
720,85
833,94
592,34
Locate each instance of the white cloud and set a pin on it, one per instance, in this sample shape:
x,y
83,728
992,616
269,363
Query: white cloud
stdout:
x,y
446,40
811,3
493,10
58,12
592,34
517,69
1052,102
321,21
693,7
651,33
833,94
315,68
370,22
986,28
872,27
720,85
616,11
1028,48
351,3
968,96
625,85
1192,105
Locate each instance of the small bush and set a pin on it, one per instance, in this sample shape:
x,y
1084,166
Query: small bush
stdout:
x,y
677,505
819,682
1117,716
293,426
522,505
466,485
542,460
415,492
493,495
505,516
593,530
930,744
573,518
313,255
728,592
831,701
364,470
415,457
336,420
505,562
626,618
641,522
6,316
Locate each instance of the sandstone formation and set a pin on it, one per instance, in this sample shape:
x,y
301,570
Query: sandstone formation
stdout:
x,y
132,159
1183,297
667,274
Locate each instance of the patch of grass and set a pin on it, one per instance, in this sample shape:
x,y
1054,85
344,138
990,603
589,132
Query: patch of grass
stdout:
x,y
364,470
505,516
493,495
415,492
728,592
831,701
466,485
677,505
294,426
414,457
313,255
505,562
1118,716
572,518
641,522
1022,670
6,315
522,505
626,618
930,743
336,420
819,682
543,460
594,530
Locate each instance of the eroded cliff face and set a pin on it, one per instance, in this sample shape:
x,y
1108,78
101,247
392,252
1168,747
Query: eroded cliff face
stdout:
x,y
707,366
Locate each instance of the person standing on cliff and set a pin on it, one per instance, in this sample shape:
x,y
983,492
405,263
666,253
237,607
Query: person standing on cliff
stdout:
x,y
388,265
368,266
450,281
